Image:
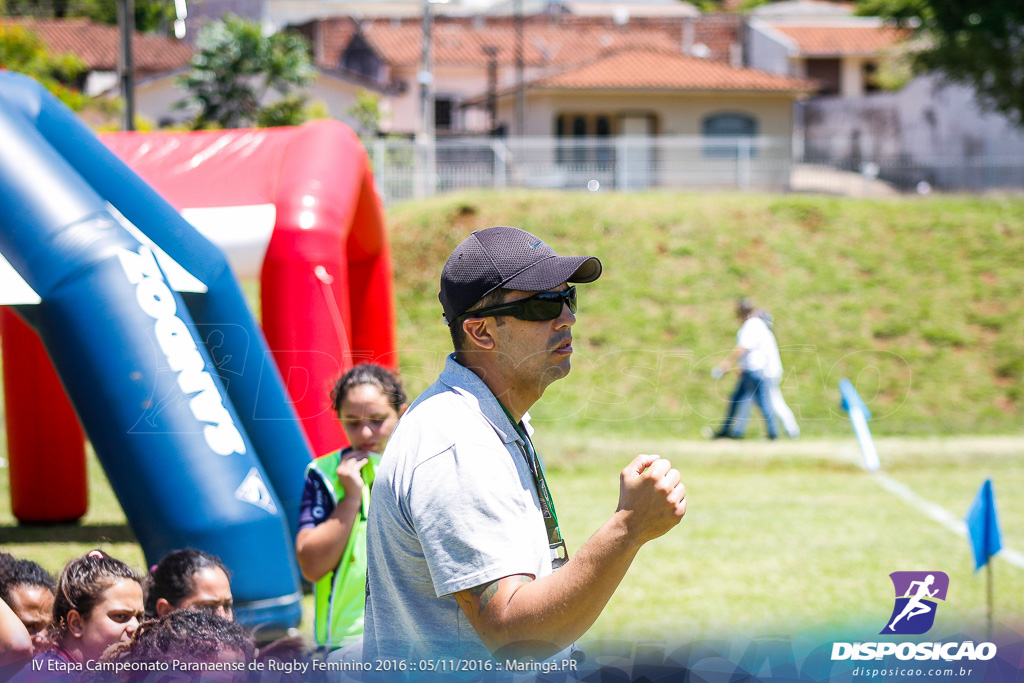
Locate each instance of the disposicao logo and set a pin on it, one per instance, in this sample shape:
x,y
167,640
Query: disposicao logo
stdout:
x,y
917,596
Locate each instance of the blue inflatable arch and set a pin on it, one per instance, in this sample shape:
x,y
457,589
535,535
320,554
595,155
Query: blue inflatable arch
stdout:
x,y
85,244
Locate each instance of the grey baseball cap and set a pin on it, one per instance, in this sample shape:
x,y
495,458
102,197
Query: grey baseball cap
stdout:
x,y
510,258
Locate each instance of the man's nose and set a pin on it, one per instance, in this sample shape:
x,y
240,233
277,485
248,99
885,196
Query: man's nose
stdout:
x,y
567,318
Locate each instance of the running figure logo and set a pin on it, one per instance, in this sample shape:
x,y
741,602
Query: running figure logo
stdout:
x,y
916,596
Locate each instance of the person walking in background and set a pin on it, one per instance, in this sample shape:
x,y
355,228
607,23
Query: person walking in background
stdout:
x,y
773,374
755,346
331,542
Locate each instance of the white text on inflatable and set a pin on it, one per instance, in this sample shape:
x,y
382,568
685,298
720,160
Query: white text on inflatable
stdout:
x,y
157,301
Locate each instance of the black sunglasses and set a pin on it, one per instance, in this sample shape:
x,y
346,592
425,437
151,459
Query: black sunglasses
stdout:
x,y
543,306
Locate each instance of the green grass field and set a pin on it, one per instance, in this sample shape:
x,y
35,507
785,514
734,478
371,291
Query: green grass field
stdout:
x,y
777,538
917,301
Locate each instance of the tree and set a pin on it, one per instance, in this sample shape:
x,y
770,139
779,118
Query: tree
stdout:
x,y
150,15
22,50
979,43
366,112
236,67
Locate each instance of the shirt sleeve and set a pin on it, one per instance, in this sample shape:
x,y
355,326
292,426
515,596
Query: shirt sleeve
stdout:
x,y
317,503
476,518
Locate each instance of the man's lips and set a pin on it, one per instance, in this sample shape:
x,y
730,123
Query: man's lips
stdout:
x,y
564,346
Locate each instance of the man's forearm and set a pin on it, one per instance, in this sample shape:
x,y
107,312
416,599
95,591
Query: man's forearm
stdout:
x,y
734,357
517,618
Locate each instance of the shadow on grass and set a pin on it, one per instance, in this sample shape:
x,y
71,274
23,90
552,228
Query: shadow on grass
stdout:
x,y
66,533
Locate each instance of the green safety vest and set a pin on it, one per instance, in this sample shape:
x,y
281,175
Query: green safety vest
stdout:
x,y
340,596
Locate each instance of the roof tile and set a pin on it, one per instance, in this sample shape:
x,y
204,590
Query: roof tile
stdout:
x,y
646,69
831,41
545,45
99,45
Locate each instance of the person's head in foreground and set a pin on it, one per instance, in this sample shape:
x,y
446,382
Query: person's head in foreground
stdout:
x,y
368,400
509,305
188,578
98,602
208,645
28,590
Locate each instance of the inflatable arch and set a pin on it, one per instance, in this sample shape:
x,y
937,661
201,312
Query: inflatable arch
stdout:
x,y
147,329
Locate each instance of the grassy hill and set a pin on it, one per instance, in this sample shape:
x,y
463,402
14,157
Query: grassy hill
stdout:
x,y
916,300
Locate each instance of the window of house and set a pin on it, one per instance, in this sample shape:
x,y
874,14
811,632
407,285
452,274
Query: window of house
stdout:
x,y
360,58
579,130
871,77
730,128
444,113
603,129
559,134
583,126
826,72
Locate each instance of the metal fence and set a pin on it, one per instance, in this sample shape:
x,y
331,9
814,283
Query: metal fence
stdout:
x,y
407,169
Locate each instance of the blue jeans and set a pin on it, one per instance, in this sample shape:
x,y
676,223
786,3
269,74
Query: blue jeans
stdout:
x,y
751,384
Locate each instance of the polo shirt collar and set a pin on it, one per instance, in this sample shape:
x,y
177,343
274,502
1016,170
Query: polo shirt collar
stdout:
x,y
464,381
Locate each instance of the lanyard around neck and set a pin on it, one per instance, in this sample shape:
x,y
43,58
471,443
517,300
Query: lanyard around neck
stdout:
x,y
559,553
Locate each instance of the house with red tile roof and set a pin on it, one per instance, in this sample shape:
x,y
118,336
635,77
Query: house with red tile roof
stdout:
x,y
159,60
580,75
649,91
829,45
99,46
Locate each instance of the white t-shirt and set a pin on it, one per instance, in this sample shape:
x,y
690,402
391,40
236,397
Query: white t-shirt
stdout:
x,y
454,506
762,351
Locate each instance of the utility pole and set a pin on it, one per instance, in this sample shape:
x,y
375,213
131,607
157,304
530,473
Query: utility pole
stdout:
x,y
126,19
520,95
492,87
426,75
426,143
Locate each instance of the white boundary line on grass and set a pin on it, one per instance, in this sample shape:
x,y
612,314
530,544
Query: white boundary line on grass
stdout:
x,y
939,514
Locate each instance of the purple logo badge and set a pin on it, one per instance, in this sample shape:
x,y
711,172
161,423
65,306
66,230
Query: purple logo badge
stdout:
x,y
917,594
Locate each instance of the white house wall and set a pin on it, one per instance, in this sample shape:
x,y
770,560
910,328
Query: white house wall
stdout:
x,y
934,132
851,76
461,82
676,113
769,50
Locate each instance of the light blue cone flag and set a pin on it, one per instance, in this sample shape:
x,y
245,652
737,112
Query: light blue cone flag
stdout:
x,y
983,526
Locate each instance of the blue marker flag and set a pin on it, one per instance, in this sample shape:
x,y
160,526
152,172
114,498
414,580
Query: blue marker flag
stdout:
x,y
851,399
983,526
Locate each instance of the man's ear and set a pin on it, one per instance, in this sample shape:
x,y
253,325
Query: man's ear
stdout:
x,y
478,332
163,608
76,624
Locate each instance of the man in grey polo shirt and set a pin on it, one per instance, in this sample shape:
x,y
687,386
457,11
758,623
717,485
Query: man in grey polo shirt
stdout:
x,y
462,534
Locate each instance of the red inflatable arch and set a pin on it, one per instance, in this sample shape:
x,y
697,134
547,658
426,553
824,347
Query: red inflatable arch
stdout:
x,y
325,267
296,208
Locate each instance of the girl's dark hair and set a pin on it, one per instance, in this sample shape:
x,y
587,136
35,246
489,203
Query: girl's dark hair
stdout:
x,y
184,635
172,577
374,375
81,584
15,572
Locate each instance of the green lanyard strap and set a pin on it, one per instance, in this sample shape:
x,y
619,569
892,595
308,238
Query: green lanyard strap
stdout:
x,y
559,553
